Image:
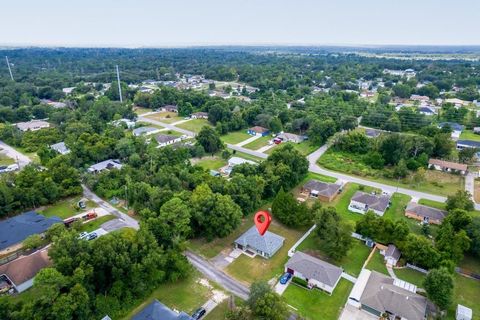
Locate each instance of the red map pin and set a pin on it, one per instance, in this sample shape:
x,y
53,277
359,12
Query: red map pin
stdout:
x,y
262,221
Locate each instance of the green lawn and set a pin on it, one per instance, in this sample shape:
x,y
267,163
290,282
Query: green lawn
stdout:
x,y
315,304
469,135
194,125
220,310
305,147
167,117
211,163
467,293
343,200
410,275
183,295
319,177
249,270
235,137
435,182
433,204
257,144
377,263
352,263
140,110
97,223
5,160
470,263
65,208
397,212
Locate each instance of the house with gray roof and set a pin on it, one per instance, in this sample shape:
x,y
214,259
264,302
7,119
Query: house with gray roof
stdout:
x,y
290,137
252,242
144,131
468,144
32,125
105,165
425,214
158,311
316,272
379,294
363,202
16,229
321,190
391,255
166,139
60,147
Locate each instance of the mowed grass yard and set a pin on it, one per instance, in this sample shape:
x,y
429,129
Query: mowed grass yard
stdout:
x,y
66,208
97,223
5,160
377,263
436,182
318,305
467,293
184,295
167,117
235,137
194,125
410,275
248,269
352,263
257,144
469,135
210,163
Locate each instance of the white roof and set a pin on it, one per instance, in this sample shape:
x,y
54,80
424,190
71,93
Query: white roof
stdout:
x,y
464,311
360,285
234,161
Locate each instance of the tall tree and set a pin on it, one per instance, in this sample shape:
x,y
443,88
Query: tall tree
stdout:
x,y
439,287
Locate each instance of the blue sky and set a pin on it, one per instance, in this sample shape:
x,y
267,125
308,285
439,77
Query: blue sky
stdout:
x,y
134,23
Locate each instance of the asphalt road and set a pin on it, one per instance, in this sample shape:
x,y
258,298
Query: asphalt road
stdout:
x,y
19,157
227,282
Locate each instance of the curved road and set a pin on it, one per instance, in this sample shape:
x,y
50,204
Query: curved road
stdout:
x,y
21,159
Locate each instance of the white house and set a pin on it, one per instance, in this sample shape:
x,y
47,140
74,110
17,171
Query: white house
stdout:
x,y
317,273
105,165
362,202
165,140
199,115
60,147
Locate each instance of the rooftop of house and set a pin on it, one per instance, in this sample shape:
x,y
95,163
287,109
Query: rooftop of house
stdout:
x,y
426,110
392,251
424,211
16,229
448,164
169,106
235,161
381,294
32,124
268,243
372,132
26,267
455,126
143,130
313,268
107,164
164,138
60,147
201,114
289,136
470,143
322,188
258,129
373,201
157,310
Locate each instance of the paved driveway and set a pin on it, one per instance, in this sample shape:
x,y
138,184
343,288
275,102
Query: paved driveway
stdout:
x,y
280,288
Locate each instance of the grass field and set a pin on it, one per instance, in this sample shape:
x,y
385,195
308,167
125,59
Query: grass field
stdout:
x,y
433,204
5,160
249,270
467,293
410,275
319,177
97,223
257,144
183,295
470,263
235,137
317,305
469,135
211,163
167,117
305,147
435,182
140,110
194,125
377,263
352,263
66,208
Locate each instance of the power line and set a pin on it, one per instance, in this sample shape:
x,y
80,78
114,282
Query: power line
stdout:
x,y
9,69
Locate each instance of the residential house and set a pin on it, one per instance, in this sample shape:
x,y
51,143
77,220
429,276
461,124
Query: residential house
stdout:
x,y
20,272
199,115
129,123
53,104
321,190
425,214
416,97
258,131
456,129
363,202
158,311
457,102
235,161
467,144
68,90
253,243
379,294
426,111
105,165
16,229
476,130
166,139
391,255
32,125
317,273
60,147
290,137
170,108
372,133
144,131
447,166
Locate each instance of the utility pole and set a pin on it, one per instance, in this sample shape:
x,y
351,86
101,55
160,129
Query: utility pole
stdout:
x,y
119,87
9,69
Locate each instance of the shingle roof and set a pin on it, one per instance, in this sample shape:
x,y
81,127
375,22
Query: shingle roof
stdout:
x,y
455,126
143,130
425,211
382,295
324,189
25,268
163,138
268,243
60,147
448,164
313,268
18,228
258,129
158,311
470,143
392,251
107,164
375,202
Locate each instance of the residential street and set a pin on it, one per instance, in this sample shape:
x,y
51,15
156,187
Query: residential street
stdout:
x,y
129,221
19,157
248,151
207,269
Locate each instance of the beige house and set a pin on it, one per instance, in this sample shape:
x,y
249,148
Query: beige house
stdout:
x,y
32,125
447,166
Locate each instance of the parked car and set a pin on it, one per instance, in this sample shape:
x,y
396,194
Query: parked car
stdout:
x,y
83,235
284,279
81,204
89,216
92,236
68,222
199,313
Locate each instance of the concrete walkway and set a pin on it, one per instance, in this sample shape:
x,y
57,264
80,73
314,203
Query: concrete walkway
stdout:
x,y
267,147
470,184
348,277
245,142
391,272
